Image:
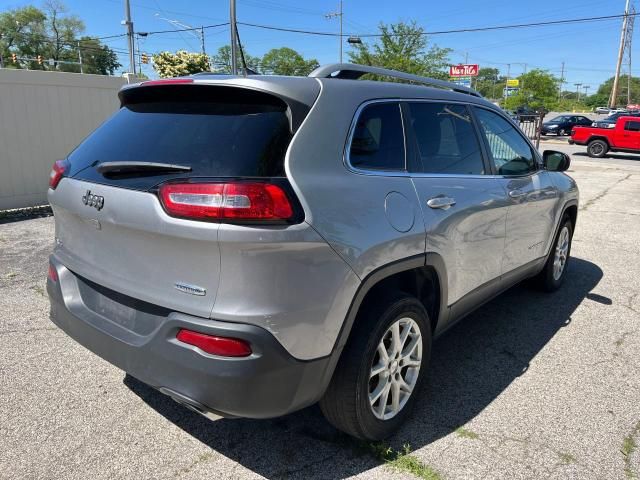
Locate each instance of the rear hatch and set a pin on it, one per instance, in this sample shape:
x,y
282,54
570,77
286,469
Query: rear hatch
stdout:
x,y
111,227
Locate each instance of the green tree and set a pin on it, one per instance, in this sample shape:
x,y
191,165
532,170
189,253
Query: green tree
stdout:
x,y
286,61
52,34
20,30
604,90
221,61
181,63
489,83
403,46
62,32
97,58
538,88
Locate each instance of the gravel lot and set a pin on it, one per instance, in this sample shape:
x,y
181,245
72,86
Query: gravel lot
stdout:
x,y
530,386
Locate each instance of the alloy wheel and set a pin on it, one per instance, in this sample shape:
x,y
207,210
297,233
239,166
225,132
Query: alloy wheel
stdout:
x,y
561,254
395,368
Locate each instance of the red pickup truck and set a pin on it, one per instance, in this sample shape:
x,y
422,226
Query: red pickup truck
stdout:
x,y
623,137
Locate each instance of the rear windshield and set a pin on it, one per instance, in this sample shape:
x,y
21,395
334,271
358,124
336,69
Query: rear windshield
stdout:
x,y
216,138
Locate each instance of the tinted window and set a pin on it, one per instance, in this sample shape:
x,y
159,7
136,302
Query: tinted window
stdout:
x,y
511,154
378,139
213,138
632,126
446,138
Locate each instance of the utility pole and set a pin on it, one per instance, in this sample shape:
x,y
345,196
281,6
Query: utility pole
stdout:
x,y
614,91
337,14
506,86
627,46
130,39
561,82
586,90
578,85
204,52
80,57
234,37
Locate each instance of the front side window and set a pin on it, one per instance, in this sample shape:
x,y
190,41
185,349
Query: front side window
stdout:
x,y
510,152
378,138
446,139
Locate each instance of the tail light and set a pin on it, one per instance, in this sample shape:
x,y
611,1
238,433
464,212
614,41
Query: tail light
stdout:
x,y
58,170
52,274
222,346
226,201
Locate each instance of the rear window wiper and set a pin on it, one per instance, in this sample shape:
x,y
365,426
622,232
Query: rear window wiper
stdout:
x,y
128,168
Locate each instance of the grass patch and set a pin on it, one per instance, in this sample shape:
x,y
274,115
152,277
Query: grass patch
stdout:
x,y
403,461
567,458
629,446
465,433
39,289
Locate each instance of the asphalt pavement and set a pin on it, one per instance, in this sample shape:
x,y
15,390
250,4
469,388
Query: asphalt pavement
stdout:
x,y
532,385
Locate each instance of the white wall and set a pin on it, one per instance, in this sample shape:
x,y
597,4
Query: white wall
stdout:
x,y
43,116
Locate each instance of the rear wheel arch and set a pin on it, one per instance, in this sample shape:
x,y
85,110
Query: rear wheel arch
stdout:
x,y
421,276
598,137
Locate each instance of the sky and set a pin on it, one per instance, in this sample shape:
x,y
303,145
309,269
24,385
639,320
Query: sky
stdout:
x,y
589,50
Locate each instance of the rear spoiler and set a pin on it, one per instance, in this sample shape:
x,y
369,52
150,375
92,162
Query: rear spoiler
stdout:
x,y
297,96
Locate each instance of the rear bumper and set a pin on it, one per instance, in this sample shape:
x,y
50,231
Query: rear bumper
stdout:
x,y
141,340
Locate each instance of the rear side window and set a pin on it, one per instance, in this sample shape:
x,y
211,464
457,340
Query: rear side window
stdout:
x,y
446,139
246,135
378,138
632,126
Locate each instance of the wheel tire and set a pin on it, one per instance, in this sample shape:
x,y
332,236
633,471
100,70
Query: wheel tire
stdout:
x,y
346,403
561,132
597,148
548,279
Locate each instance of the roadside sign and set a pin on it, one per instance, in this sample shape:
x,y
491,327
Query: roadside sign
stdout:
x,y
513,82
466,70
462,81
510,91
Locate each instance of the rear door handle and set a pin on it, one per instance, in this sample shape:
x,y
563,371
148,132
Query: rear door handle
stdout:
x,y
441,202
517,193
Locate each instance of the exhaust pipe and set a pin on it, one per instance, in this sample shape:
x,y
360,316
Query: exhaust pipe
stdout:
x,y
190,403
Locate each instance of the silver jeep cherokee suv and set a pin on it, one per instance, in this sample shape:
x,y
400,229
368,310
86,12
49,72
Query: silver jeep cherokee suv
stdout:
x,y
252,245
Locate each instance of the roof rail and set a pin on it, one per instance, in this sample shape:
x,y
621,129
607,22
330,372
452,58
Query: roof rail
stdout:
x,y
353,72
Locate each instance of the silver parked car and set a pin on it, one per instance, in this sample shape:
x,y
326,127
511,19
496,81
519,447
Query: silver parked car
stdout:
x,y
252,245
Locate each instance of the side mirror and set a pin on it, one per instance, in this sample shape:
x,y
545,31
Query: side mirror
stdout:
x,y
555,161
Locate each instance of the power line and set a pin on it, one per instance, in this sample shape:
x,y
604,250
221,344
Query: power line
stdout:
x,y
443,32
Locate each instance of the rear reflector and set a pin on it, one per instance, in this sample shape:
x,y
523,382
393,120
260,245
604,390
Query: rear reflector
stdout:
x,y
53,273
220,201
58,170
222,346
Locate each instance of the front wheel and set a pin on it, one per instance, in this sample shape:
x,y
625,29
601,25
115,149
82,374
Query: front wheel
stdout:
x,y
381,369
561,132
555,268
